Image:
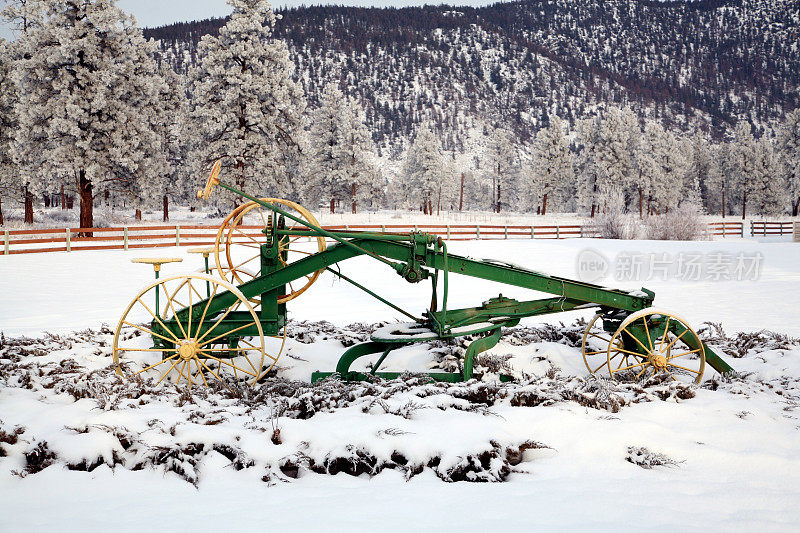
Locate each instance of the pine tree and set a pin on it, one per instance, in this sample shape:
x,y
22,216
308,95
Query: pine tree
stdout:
x,y
789,151
552,166
246,108
423,170
501,163
86,85
664,168
10,185
767,188
741,163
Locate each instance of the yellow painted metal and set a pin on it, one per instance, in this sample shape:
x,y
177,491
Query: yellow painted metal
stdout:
x,y
156,261
212,182
658,353
193,358
228,251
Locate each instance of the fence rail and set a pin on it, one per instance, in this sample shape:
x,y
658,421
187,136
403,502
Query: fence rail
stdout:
x,y
132,237
766,228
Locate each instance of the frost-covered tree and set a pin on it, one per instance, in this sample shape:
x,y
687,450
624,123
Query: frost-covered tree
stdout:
x,y
423,170
170,175
23,15
86,89
767,191
789,151
552,166
501,164
718,182
702,165
340,161
10,185
663,168
246,109
741,163
608,157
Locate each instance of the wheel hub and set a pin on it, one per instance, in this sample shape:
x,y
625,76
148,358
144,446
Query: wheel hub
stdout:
x,y
660,362
188,350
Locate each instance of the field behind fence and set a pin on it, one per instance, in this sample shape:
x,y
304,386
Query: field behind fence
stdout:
x,y
131,237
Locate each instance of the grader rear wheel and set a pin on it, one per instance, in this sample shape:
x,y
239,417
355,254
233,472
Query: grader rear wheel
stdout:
x,y
192,352
238,251
652,342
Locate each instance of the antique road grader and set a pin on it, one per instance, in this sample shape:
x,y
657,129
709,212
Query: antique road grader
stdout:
x,y
196,328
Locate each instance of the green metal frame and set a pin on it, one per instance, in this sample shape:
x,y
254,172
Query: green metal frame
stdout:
x,y
415,257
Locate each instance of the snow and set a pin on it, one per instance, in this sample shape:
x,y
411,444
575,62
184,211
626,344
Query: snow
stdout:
x,y
734,443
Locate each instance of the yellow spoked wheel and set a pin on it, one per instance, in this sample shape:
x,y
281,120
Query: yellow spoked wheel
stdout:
x,y
157,338
594,346
652,342
238,245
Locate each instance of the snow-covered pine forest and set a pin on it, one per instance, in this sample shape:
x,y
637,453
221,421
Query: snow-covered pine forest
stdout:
x,y
537,106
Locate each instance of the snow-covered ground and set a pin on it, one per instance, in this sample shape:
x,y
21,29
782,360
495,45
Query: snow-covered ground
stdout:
x,y
558,438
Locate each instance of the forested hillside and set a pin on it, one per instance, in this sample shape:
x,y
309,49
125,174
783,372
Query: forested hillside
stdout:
x,y
707,64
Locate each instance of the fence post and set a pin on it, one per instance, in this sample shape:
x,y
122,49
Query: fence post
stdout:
x,y
416,229
448,232
177,235
558,232
505,232
741,225
723,230
765,228
125,238
346,227
478,232
383,228
69,242
6,251
581,228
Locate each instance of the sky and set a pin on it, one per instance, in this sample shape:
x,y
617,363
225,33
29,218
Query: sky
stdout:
x,y
151,13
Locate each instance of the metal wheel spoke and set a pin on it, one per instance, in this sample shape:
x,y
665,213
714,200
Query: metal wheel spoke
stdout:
x,y
664,337
623,350
629,367
225,363
214,374
599,337
171,341
637,340
647,332
676,339
155,316
227,332
599,367
682,354
168,371
158,363
684,368
132,349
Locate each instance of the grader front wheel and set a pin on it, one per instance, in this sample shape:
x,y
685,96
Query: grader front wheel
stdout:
x,y
238,251
153,340
651,342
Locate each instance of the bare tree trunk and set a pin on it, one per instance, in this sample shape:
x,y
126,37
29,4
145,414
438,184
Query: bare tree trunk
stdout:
x,y
544,202
641,202
354,197
138,214
461,199
1,210
744,205
594,191
166,208
796,207
87,203
538,210
439,202
28,206
498,196
333,205
63,198
723,203
46,198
